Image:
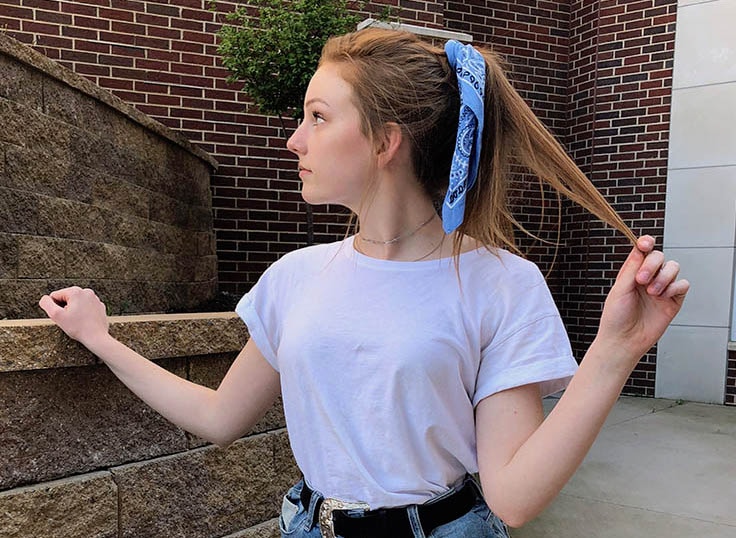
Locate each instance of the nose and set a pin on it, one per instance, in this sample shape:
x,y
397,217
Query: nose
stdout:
x,y
295,144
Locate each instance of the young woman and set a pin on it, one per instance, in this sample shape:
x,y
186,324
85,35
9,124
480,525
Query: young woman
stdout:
x,y
416,351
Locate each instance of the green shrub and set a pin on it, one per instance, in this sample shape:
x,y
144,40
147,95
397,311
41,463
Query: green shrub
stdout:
x,y
275,53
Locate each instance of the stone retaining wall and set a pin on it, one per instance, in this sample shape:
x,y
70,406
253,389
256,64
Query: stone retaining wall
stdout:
x,y
81,456
95,193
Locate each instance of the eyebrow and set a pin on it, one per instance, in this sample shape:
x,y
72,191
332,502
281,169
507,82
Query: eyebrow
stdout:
x,y
314,100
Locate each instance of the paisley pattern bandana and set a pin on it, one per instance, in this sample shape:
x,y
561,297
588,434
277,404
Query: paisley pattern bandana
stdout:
x,y
471,79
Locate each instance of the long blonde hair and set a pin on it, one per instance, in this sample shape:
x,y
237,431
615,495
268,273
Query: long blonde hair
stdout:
x,y
397,77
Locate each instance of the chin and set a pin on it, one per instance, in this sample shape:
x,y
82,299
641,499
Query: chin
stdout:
x,y
310,197
316,198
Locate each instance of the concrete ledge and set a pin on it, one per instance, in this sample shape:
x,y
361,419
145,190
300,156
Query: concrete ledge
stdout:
x,y
38,344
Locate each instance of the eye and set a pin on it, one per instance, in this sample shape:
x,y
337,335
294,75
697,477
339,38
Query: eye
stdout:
x,y
317,117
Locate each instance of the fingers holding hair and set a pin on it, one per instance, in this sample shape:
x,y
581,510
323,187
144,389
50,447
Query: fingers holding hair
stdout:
x,y
648,267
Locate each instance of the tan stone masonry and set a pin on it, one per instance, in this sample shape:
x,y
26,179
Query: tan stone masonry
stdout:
x,y
81,456
95,193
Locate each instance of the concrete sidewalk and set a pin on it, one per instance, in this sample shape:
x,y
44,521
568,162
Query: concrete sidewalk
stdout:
x,y
658,469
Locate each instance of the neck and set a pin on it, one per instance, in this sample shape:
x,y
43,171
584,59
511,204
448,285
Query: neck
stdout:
x,y
398,221
401,231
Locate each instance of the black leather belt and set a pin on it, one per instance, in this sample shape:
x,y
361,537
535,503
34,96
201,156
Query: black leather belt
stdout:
x,y
394,522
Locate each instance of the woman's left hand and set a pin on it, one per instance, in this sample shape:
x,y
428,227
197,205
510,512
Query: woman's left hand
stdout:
x,y
641,304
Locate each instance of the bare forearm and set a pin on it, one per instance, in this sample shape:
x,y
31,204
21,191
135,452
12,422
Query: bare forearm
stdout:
x,y
186,404
528,462
243,397
551,455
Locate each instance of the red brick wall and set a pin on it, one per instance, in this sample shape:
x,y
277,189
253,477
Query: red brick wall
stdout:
x,y
731,379
621,85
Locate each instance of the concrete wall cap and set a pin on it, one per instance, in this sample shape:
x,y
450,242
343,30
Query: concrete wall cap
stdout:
x,y
36,344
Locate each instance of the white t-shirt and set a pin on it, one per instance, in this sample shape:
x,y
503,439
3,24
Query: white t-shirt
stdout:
x,y
383,362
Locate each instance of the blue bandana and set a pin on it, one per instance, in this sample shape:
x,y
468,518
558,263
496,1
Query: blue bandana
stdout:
x,y
471,80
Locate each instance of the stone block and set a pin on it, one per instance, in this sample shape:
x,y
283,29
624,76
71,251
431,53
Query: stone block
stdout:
x,y
205,268
11,116
120,196
206,245
182,335
8,255
71,106
99,260
129,231
185,268
152,267
85,259
72,220
119,296
206,492
267,529
200,218
20,298
39,344
69,421
79,507
20,83
168,210
26,127
31,169
200,293
155,294
40,257
172,240
18,211
97,153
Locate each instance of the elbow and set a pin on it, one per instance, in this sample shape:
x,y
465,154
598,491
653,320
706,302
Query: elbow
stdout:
x,y
513,514
514,518
221,438
514,508
223,441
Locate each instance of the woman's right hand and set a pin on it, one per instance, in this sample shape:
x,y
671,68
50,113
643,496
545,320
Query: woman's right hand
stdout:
x,y
78,312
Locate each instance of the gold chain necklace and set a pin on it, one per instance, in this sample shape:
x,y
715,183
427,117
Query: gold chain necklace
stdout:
x,y
427,255
398,237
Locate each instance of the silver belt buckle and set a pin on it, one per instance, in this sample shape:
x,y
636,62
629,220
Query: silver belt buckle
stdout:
x,y
326,524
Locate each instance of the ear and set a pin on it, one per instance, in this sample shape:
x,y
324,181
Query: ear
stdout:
x,y
387,148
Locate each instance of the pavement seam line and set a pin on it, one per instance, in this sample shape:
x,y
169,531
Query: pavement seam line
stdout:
x,y
648,510
652,412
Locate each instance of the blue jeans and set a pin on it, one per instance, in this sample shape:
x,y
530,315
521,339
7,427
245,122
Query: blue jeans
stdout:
x,y
296,520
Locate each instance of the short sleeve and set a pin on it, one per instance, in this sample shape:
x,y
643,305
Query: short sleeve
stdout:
x,y
260,309
529,343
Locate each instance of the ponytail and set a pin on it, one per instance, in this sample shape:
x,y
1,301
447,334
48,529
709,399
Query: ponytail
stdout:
x,y
513,135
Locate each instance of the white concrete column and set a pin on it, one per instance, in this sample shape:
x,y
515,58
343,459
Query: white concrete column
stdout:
x,y
700,211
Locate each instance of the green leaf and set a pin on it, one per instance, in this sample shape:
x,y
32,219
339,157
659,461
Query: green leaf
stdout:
x,y
274,53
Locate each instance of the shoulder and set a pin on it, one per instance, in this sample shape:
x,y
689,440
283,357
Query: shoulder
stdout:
x,y
501,270
311,253
304,261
